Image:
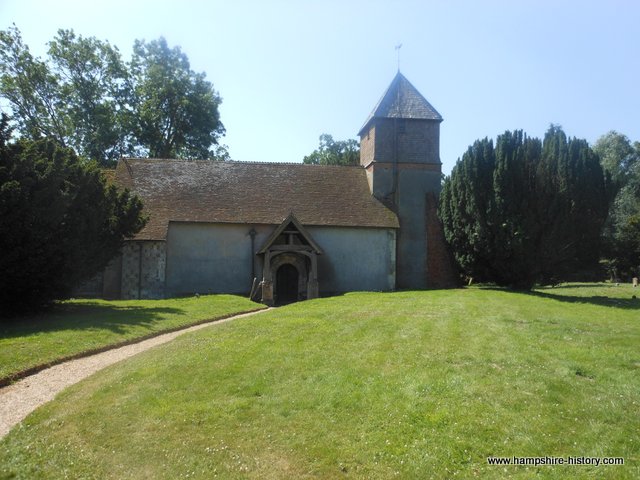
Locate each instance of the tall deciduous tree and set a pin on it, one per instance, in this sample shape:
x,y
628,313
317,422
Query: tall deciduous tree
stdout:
x,y
79,97
617,155
86,97
59,222
176,109
334,152
95,87
621,160
525,211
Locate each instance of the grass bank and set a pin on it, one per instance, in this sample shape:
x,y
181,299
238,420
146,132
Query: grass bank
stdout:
x,y
78,326
371,386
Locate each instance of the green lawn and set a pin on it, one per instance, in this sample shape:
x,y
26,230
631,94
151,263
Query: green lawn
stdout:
x,y
366,385
78,326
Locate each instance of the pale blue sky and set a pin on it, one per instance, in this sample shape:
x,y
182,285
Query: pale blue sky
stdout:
x,y
291,70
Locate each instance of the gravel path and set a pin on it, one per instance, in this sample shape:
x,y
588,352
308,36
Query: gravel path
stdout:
x,y
23,397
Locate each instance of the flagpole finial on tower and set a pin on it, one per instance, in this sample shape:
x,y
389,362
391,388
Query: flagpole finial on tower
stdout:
x,y
397,48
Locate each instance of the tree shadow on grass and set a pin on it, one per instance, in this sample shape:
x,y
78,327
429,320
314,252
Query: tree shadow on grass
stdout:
x,y
574,285
600,300
85,316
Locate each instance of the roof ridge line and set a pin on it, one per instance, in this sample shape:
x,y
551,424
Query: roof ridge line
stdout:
x,y
227,162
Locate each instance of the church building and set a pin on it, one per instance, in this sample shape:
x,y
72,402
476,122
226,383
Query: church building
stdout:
x,y
286,232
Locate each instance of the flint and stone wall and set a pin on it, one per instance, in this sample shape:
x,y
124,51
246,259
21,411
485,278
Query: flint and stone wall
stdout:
x,y
143,270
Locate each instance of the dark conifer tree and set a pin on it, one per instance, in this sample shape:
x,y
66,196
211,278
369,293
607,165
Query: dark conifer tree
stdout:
x,y
60,223
525,211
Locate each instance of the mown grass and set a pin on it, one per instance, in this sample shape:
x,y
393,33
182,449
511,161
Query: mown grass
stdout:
x,y
400,385
77,326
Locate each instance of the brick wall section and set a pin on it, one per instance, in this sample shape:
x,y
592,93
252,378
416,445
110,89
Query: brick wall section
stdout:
x,y
143,269
367,146
385,142
441,270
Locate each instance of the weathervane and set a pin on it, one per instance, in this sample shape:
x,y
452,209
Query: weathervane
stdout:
x,y
397,48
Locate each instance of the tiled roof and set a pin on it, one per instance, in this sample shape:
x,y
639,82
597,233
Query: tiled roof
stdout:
x,y
252,193
402,100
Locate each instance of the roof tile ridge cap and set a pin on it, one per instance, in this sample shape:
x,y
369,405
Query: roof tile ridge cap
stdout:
x,y
234,162
315,165
255,162
152,159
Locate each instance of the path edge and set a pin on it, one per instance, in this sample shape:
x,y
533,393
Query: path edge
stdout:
x,y
14,377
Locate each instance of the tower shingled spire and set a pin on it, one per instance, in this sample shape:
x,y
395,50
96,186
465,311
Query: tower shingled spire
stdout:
x,y
402,100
